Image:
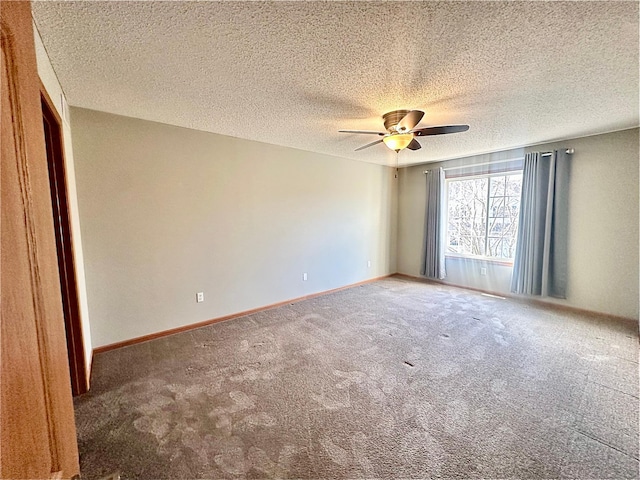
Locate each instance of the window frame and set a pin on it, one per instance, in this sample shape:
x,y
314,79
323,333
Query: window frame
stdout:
x,y
471,176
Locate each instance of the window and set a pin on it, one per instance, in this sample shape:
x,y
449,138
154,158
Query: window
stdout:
x,y
482,215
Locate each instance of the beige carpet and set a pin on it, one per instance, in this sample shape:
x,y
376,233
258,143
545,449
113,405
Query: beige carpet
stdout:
x,y
394,379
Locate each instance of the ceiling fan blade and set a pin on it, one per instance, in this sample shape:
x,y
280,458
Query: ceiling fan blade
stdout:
x,y
409,121
414,145
361,131
423,132
369,145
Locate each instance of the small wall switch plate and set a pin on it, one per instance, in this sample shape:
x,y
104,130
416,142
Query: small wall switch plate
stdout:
x,y
304,277
200,297
368,263
483,271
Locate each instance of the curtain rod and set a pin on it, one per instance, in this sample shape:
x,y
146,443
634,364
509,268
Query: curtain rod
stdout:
x,y
569,151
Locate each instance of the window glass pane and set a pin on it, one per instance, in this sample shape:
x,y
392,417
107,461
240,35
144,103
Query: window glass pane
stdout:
x,y
467,214
466,245
495,247
482,215
454,244
496,227
513,204
497,186
514,185
509,247
478,245
497,206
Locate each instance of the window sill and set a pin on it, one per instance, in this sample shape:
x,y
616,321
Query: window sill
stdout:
x,y
494,261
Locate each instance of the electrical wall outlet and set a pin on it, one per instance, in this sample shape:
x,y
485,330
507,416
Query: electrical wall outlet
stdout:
x,y
483,271
200,297
304,277
368,263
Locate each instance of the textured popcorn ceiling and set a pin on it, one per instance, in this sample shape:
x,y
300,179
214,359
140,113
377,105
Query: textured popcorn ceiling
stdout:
x,y
294,73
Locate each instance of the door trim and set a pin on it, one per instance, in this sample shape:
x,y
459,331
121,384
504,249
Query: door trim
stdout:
x,y
64,244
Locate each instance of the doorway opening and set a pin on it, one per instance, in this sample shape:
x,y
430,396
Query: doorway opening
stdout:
x,y
64,245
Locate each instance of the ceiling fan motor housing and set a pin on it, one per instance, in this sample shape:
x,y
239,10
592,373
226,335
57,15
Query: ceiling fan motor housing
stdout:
x,y
391,119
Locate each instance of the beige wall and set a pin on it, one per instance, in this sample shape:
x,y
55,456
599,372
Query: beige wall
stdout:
x,y
167,212
603,226
52,86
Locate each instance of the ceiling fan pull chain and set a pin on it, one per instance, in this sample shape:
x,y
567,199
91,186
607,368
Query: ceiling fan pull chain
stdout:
x,y
397,153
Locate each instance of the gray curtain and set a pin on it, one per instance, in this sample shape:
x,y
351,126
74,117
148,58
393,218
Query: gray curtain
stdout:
x,y
540,264
433,260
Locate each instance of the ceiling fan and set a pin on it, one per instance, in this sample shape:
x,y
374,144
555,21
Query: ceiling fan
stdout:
x,y
401,130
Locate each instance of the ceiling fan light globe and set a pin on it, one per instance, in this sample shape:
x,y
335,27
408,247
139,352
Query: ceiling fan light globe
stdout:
x,y
398,141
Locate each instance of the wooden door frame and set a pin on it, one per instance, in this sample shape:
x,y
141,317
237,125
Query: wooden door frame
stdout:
x,y
64,243
37,427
